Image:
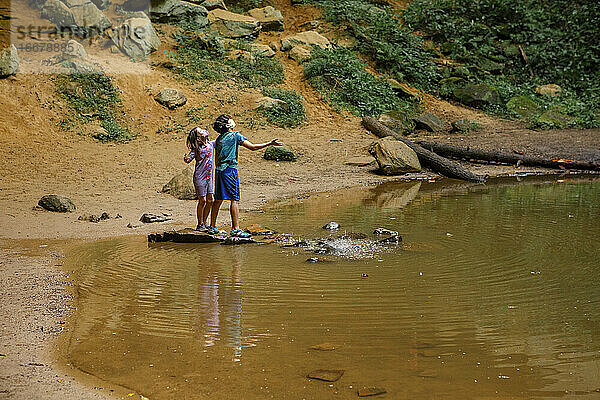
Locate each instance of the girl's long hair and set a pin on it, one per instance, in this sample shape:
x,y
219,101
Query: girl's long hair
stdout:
x,y
192,139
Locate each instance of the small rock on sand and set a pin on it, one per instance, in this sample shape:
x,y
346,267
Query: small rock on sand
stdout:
x,y
327,375
149,218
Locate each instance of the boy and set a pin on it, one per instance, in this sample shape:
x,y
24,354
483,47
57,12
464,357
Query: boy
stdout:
x,y
227,185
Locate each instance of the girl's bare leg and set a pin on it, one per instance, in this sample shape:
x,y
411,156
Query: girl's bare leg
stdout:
x,y
215,212
200,209
210,198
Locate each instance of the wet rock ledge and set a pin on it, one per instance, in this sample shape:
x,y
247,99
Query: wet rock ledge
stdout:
x,y
184,236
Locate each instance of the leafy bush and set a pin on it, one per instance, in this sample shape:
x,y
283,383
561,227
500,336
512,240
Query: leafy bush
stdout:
x,y
340,76
290,116
94,96
380,35
200,59
561,47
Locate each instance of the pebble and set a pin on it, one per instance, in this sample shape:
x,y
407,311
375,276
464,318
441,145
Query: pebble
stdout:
x,y
327,375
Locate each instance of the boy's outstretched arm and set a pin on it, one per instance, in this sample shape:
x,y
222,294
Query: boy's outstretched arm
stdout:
x,y
251,146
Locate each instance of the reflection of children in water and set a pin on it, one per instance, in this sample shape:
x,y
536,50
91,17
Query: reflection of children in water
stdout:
x,y
220,304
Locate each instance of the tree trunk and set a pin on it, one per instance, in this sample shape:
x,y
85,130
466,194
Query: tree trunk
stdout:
x,y
468,153
427,158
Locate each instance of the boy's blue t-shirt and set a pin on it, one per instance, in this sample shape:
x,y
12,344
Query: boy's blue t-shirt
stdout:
x,y
226,149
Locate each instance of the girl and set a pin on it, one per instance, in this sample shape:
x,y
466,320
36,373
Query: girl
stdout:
x,y
202,150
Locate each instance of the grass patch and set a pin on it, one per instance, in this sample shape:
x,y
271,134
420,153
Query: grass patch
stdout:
x,y
285,117
94,97
201,57
340,76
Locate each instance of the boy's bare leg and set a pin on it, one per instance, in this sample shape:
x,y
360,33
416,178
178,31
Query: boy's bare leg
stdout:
x,y
200,209
215,212
234,209
207,207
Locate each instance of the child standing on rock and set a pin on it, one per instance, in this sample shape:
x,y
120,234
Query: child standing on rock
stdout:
x,y
202,150
227,185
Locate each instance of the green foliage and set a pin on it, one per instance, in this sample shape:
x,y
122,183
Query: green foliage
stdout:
x,y
200,59
341,78
380,35
95,97
560,39
285,117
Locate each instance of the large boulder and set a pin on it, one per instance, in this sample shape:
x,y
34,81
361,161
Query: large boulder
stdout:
x,y
555,118
232,25
171,98
89,20
9,61
394,157
300,53
136,37
309,38
59,14
56,203
477,95
177,11
429,122
181,186
74,49
269,103
270,18
523,106
261,50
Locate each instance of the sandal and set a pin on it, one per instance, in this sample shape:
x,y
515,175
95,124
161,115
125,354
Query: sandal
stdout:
x,y
201,228
212,230
239,233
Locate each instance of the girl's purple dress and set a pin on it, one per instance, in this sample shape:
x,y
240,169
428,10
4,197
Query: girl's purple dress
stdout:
x,y
204,174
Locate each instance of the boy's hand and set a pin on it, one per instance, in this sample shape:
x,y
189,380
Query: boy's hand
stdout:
x,y
276,142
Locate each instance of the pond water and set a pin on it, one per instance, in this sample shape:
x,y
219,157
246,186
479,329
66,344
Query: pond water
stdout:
x,y
494,293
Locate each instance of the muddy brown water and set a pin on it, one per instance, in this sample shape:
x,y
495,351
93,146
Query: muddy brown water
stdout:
x,y
493,294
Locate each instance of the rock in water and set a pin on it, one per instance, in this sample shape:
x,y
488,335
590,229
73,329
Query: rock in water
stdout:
x,y
324,347
327,375
149,218
232,25
331,225
384,231
370,391
56,203
394,239
232,241
184,236
171,98
394,157
136,37
259,230
279,153
270,18
9,61
430,122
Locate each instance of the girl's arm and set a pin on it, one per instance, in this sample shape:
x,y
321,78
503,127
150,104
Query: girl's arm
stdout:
x,y
188,159
247,144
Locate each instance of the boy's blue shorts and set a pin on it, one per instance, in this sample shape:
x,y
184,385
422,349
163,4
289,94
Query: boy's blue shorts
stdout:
x,y
227,184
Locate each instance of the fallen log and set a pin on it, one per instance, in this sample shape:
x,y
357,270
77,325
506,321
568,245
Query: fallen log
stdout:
x,y
427,158
475,155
